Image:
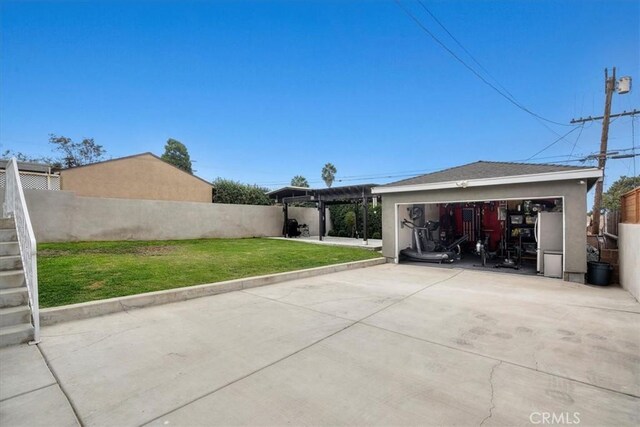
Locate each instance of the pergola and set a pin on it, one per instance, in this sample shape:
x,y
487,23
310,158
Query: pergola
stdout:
x,y
324,197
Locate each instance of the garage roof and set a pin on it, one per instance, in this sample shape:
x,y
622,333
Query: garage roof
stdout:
x,y
491,173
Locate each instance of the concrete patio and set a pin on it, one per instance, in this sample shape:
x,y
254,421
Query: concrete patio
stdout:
x,y
386,345
372,244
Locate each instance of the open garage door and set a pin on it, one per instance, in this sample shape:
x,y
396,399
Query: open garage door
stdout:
x,y
524,235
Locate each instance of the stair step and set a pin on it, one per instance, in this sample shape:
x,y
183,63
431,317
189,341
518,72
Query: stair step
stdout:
x,y
17,334
8,235
13,297
12,279
10,262
7,223
12,316
9,248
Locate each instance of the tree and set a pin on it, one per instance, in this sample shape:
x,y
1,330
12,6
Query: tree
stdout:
x,y
77,153
329,174
177,154
22,157
624,184
299,181
237,193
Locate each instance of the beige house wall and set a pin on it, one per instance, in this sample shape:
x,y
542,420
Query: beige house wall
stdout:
x,y
143,176
574,193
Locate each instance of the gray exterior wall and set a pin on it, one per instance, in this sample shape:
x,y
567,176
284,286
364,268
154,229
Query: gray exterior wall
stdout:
x,y
575,208
61,216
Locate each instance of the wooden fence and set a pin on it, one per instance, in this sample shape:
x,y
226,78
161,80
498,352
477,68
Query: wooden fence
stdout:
x,y
611,220
630,207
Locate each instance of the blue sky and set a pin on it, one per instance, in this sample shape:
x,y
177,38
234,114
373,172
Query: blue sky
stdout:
x,y
262,91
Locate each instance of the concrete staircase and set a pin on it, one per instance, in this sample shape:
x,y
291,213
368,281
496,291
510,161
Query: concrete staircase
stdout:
x,y
15,315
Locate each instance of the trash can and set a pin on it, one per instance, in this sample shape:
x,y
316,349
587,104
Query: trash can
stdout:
x,y
599,273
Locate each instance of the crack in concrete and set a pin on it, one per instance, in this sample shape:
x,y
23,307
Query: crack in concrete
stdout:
x,y
493,405
124,307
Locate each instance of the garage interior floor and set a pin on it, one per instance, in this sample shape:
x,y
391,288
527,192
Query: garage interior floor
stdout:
x,y
470,262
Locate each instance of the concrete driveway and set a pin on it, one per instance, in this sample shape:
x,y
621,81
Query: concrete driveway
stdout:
x,y
387,345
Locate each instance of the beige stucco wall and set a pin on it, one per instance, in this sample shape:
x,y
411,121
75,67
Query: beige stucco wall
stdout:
x,y
629,257
575,207
140,177
61,216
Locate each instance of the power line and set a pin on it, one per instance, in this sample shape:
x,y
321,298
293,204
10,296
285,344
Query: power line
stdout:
x,y
554,142
564,136
463,48
479,64
350,178
467,66
576,141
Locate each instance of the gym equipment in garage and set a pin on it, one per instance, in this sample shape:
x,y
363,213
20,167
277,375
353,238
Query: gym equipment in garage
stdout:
x,y
426,249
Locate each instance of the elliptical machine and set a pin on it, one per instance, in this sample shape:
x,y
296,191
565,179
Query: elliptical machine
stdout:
x,y
426,248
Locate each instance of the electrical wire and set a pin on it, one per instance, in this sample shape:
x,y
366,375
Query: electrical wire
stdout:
x,y
576,141
554,142
446,30
472,70
480,65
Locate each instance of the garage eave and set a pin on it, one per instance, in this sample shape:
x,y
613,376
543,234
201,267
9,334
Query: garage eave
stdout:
x,y
582,174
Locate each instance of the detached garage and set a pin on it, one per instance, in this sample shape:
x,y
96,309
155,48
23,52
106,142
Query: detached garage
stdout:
x,y
512,216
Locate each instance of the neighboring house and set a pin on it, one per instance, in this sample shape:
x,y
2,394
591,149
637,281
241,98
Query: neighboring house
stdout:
x,y
141,176
499,200
34,176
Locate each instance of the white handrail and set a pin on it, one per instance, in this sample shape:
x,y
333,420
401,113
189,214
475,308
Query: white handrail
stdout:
x,y
15,206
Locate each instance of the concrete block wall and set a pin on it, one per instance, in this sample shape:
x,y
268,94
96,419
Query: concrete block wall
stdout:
x,y
629,257
61,216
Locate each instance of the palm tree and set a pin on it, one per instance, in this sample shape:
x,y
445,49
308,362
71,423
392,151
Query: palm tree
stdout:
x,y
329,174
299,181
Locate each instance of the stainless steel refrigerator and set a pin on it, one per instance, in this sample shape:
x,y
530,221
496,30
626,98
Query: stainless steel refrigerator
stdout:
x,y
549,235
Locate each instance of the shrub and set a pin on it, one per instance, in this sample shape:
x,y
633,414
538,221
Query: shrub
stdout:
x,y
350,222
376,235
233,192
374,219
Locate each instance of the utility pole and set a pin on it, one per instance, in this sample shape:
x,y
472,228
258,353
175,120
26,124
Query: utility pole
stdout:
x,y
609,88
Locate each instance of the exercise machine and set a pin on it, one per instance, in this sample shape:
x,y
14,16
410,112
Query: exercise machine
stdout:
x,y
426,248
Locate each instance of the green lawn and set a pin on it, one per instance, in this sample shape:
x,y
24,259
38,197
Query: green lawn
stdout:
x,y
70,273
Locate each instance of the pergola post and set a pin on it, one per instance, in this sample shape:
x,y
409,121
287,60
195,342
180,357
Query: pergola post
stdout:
x,y
285,227
321,220
364,221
